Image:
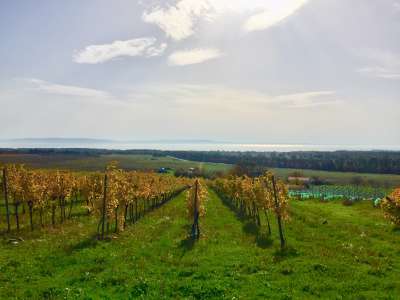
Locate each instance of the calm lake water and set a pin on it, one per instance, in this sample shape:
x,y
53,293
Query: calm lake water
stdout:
x,y
197,146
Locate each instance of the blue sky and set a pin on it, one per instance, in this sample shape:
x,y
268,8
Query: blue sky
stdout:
x,y
289,71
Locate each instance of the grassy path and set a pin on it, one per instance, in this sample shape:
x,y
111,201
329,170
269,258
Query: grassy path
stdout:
x,y
339,253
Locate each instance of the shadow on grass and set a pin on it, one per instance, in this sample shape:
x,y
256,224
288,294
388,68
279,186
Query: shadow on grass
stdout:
x,y
87,243
250,227
262,239
282,254
187,243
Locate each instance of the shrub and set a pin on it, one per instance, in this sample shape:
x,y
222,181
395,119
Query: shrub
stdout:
x,y
391,207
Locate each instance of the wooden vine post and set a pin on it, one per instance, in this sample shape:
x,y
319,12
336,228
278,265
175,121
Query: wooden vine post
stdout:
x,y
5,187
30,205
278,215
116,220
195,226
53,213
104,207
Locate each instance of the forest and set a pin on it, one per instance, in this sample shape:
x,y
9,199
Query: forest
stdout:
x,y
379,162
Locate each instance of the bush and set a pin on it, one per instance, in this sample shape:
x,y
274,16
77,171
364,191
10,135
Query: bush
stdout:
x,y
391,207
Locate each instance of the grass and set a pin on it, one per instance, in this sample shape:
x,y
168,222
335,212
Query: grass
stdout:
x,y
336,252
98,163
148,162
342,178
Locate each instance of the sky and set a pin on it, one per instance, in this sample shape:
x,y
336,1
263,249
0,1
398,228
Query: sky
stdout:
x,y
259,71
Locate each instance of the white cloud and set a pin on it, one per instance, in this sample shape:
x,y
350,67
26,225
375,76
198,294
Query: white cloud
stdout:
x,y
179,21
380,64
66,90
221,98
307,99
156,51
194,56
272,14
380,72
95,54
208,97
239,6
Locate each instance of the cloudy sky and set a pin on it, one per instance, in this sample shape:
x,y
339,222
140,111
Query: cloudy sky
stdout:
x,y
287,71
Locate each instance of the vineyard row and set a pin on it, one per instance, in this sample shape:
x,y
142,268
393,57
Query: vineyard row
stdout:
x,y
115,197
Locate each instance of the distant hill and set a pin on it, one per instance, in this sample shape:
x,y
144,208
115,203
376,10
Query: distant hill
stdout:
x,y
56,140
59,140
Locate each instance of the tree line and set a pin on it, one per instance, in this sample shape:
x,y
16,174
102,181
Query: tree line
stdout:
x,y
381,162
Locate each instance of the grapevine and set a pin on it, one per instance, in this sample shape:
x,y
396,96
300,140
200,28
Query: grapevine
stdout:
x,y
54,194
391,207
250,196
195,198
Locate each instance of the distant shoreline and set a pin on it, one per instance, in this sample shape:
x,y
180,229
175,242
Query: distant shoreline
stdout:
x,y
184,146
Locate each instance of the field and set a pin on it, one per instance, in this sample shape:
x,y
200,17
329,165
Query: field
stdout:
x,y
148,162
343,178
98,163
335,252
342,192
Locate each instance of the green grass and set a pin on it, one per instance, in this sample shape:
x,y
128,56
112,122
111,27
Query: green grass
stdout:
x,y
390,180
148,162
336,252
98,163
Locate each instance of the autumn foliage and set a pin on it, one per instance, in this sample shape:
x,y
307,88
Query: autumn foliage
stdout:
x,y
53,194
253,196
391,207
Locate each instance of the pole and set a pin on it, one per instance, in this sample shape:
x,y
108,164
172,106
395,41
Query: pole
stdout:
x,y
6,197
278,215
104,206
30,204
195,228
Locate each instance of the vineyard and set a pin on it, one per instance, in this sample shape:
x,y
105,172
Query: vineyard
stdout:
x,y
127,235
115,197
195,198
250,197
341,192
199,150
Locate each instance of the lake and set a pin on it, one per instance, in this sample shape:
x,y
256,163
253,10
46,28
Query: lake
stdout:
x,y
212,146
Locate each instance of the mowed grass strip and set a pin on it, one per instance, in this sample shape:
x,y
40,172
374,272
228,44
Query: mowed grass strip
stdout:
x,y
336,252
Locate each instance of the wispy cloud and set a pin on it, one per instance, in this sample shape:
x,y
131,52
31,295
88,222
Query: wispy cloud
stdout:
x,y
380,64
65,90
207,97
221,98
179,21
380,72
95,54
156,50
274,13
307,99
194,56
